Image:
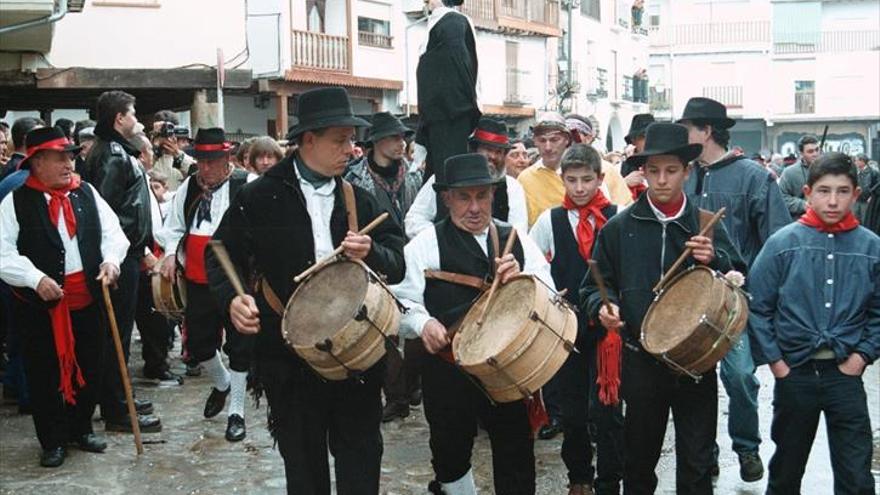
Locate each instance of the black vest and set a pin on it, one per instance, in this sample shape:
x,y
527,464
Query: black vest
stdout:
x,y
569,268
194,194
39,241
460,253
500,204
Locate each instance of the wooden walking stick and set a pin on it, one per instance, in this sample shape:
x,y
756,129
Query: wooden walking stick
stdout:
x,y
687,252
507,248
123,369
336,252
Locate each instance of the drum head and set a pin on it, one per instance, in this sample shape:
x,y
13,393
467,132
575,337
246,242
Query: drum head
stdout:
x,y
676,314
325,303
509,309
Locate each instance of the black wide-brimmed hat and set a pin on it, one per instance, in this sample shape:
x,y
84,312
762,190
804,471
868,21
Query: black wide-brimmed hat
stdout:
x,y
468,170
700,108
490,132
324,107
664,138
43,139
210,143
638,126
384,125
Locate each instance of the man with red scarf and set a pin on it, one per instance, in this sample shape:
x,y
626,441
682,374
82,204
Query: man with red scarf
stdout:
x,y
59,241
566,235
815,319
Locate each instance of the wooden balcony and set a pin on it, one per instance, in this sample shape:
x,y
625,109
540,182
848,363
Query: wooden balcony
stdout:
x,y
320,51
374,39
521,16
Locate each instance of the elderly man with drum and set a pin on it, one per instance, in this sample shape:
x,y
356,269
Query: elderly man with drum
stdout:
x,y
663,223
459,254
277,227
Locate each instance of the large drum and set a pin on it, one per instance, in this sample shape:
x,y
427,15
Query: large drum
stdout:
x,y
338,319
525,338
695,320
169,296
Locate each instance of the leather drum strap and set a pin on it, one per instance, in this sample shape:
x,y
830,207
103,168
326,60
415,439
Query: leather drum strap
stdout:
x,y
270,296
350,205
457,278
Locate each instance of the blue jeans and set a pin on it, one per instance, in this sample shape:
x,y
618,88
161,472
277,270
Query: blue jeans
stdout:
x,y
738,377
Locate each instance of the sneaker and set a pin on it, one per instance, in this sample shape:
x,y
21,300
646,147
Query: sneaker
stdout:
x,y
165,377
193,369
750,467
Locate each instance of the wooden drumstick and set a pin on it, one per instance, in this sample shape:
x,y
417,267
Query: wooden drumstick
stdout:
x,y
226,263
507,248
336,252
600,282
687,252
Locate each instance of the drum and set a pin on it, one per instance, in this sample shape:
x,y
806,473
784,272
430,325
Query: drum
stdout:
x,y
695,320
525,338
169,296
338,319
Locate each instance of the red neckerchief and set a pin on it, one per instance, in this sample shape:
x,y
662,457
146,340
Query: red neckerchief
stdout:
x,y
671,208
637,190
586,233
811,219
58,200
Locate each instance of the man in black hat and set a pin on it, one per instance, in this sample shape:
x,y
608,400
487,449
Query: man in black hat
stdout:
x,y
489,139
662,223
635,140
276,227
755,210
385,173
196,211
59,240
459,255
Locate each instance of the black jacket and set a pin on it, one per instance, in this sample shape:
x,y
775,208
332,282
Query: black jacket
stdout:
x,y
631,274
447,71
120,181
268,232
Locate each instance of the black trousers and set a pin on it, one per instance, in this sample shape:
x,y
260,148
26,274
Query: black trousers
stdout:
x,y
606,430
204,330
124,298
573,385
403,372
57,422
452,406
308,414
154,328
651,390
444,139
798,399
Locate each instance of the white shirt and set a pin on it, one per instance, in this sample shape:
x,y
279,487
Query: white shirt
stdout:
x,y
319,204
18,271
424,208
542,231
422,253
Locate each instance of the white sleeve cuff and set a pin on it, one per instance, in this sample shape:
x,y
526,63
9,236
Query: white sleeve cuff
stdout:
x,y
33,278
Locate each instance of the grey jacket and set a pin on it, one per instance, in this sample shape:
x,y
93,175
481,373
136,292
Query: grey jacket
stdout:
x,y
359,174
791,183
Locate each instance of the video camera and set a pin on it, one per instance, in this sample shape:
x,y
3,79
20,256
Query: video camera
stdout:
x,y
170,130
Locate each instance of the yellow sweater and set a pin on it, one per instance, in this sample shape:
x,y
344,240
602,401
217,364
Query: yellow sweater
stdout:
x,y
543,188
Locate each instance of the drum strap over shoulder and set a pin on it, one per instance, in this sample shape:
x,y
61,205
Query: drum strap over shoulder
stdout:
x,y
458,279
350,205
270,296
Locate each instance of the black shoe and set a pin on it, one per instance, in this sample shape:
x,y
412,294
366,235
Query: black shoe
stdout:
x,y
750,467
165,377
550,430
90,443
147,424
235,430
415,398
53,457
193,369
394,410
143,407
216,402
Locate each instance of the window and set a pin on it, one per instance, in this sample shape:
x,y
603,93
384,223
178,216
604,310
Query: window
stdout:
x,y
804,96
592,8
374,32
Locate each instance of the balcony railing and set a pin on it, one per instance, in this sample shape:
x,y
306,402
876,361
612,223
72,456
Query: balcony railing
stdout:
x,y
804,103
487,12
628,88
597,83
827,41
320,51
374,39
660,100
517,85
719,33
730,96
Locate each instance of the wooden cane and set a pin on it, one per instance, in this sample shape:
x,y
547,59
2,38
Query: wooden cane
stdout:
x,y
507,248
123,369
336,252
687,252
226,263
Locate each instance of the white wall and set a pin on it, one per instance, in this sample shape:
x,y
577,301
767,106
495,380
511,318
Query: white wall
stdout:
x,y
242,116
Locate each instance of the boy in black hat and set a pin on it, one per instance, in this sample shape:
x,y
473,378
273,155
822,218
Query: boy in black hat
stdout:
x,y
662,222
458,253
755,210
276,227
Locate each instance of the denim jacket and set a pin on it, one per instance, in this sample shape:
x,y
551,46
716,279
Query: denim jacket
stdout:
x,y
812,290
755,209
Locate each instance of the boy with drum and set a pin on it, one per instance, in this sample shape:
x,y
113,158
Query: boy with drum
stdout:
x,y
815,318
662,223
565,234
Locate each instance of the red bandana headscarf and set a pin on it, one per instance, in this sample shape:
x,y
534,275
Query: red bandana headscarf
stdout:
x,y
811,219
586,232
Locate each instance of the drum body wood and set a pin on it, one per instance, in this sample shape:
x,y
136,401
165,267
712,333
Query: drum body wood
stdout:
x,y
338,319
695,320
169,296
525,338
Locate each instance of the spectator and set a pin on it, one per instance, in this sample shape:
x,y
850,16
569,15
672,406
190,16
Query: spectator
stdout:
x,y
264,153
517,158
20,128
242,154
66,126
4,147
170,157
776,164
159,185
793,178
85,138
541,181
868,179
613,185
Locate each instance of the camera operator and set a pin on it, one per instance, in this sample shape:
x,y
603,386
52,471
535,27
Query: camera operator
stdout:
x,y
169,156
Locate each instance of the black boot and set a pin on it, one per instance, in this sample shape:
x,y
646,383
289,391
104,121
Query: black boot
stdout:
x,y
52,458
90,443
235,430
147,424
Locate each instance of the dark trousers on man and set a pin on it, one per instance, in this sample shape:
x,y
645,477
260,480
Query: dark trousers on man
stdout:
x,y
651,390
573,385
810,389
606,430
204,330
445,138
308,413
453,403
154,328
124,299
403,372
58,422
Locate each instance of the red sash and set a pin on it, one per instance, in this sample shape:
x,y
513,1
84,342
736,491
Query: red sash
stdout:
x,y
76,297
195,258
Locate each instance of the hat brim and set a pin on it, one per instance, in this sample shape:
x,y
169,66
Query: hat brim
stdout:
x,y
193,152
345,121
687,154
70,148
725,123
480,142
406,132
629,138
467,183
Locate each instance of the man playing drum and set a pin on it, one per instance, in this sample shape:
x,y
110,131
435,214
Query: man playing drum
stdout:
x,y
460,253
662,223
278,226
